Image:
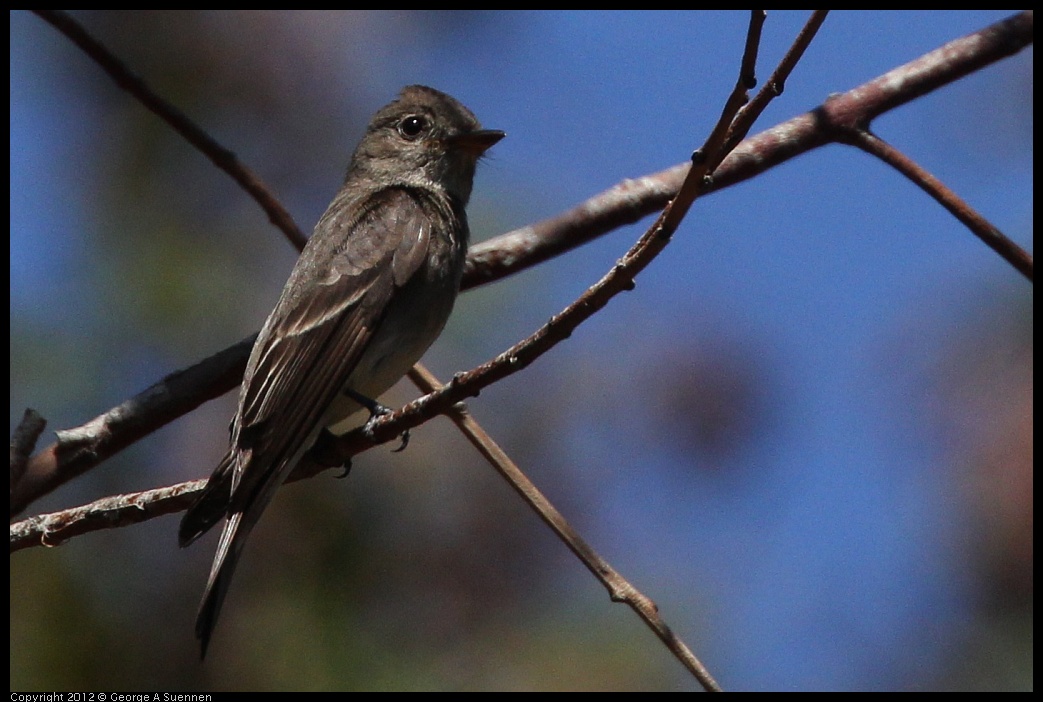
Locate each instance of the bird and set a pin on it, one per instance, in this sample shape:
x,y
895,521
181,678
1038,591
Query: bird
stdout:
x,y
370,292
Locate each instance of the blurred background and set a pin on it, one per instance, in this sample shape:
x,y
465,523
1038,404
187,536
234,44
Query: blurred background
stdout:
x,y
806,434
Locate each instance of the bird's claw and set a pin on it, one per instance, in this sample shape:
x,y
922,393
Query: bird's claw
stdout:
x,y
347,469
376,412
405,442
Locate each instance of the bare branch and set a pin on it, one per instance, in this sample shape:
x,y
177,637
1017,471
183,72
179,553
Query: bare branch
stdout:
x,y
634,199
619,588
843,119
623,204
710,155
957,206
107,513
221,157
776,84
82,448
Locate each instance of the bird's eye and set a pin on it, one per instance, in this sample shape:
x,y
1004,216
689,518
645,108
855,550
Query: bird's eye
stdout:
x,y
412,126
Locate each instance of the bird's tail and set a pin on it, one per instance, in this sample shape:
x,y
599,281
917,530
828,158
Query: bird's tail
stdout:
x,y
243,510
229,548
211,507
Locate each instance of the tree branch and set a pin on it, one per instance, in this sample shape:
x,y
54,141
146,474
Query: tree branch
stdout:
x,y
514,251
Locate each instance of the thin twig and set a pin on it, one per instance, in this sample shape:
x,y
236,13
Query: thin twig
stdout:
x,y
107,513
221,157
84,447
776,83
623,204
632,200
957,206
730,129
619,588
713,152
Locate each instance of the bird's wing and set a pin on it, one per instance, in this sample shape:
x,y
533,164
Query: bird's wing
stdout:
x,y
304,355
312,341
359,257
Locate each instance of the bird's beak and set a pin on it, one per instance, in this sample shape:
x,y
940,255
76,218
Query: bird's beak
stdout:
x,y
476,142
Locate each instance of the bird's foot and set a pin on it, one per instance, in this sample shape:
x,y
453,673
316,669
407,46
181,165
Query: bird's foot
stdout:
x,y
376,411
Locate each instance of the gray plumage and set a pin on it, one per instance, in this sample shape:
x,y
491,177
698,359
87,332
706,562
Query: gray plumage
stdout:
x,y
371,291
